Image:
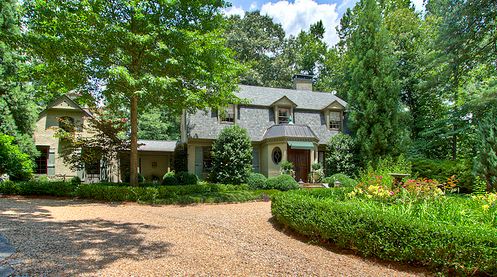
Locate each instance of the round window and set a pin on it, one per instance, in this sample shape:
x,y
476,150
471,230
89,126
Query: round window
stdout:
x,y
277,155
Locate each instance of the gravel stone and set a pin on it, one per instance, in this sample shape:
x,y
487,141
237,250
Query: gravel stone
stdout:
x,y
70,237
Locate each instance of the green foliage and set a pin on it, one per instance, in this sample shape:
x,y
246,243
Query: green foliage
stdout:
x,y
485,163
169,179
259,44
374,102
16,164
451,234
345,181
75,181
60,189
287,168
232,156
126,177
339,155
382,171
185,178
256,181
442,170
180,162
282,182
17,106
204,193
158,124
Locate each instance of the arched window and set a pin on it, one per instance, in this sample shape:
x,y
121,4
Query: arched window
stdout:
x,y
66,123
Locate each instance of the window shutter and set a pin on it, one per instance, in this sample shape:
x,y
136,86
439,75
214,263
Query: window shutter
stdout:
x,y
51,162
198,161
255,160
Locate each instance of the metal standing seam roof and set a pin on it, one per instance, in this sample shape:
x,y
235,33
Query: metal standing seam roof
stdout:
x,y
310,100
289,130
156,145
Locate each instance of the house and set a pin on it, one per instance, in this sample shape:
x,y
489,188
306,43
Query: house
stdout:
x,y
283,124
155,157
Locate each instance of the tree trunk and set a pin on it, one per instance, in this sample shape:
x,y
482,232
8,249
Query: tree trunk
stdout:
x,y
133,170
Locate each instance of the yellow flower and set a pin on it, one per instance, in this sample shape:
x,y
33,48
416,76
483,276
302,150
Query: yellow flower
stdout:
x,y
485,207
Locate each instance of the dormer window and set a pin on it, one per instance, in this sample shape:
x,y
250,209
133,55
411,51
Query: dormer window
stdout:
x,y
284,115
335,120
227,115
66,123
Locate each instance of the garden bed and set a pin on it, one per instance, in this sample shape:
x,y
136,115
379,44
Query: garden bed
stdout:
x,y
447,233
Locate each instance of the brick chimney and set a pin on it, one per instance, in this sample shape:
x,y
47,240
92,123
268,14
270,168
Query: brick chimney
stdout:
x,y
302,82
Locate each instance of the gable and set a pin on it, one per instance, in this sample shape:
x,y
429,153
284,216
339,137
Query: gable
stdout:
x,y
284,101
335,106
64,103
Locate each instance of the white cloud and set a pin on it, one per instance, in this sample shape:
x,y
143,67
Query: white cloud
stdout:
x,y
299,15
253,6
234,11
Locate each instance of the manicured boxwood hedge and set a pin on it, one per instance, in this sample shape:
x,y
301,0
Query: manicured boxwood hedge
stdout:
x,y
203,193
384,234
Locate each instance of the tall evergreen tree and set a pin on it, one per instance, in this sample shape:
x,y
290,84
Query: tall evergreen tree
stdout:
x,y
18,111
374,95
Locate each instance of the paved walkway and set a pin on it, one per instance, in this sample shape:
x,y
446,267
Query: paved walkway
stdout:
x,y
65,237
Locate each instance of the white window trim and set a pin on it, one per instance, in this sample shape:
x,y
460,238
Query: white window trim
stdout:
x,y
277,114
328,117
235,118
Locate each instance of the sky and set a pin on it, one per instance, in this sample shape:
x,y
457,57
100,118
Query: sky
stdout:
x,y
297,15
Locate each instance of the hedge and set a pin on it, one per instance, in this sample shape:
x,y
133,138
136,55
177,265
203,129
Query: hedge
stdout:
x,y
204,193
381,233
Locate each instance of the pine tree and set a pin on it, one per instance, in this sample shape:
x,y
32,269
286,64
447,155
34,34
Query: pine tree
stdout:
x,y
485,162
374,95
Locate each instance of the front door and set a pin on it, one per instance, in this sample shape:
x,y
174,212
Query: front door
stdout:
x,y
301,163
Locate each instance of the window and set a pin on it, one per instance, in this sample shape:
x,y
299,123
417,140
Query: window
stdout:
x,y
227,115
93,168
277,155
66,123
284,115
335,120
42,160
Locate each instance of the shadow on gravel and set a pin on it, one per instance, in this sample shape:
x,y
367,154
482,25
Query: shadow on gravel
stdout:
x,y
70,247
341,251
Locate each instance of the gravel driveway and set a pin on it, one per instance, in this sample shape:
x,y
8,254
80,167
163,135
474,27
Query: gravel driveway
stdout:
x,y
68,237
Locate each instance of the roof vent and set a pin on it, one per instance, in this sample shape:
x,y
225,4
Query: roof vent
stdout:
x,y
302,82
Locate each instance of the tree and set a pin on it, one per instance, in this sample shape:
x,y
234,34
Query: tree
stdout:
x,y
17,106
13,161
158,124
339,156
232,156
374,94
135,54
259,43
309,49
485,163
107,138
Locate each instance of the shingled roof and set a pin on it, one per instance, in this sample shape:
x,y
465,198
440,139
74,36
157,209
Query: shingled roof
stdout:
x,y
290,131
309,100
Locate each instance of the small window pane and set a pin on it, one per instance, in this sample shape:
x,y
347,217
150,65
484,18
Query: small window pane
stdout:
x,y
283,115
42,160
335,120
228,114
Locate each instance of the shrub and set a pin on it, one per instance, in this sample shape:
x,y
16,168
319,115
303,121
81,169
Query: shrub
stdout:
x,y
232,156
256,181
185,178
485,163
169,179
442,170
126,177
339,157
380,174
75,180
61,189
282,182
344,180
287,168
13,161
180,162
430,233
